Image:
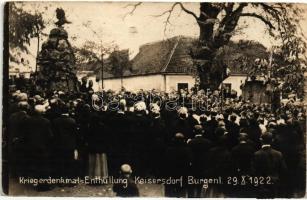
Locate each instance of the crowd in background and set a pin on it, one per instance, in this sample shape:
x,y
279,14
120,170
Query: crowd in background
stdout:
x,y
158,134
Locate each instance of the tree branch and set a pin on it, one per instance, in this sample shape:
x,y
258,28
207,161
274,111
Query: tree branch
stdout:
x,y
134,6
169,12
187,11
272,10
267,22
232,14
182,7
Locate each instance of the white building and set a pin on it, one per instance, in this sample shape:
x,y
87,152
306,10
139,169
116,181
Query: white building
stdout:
x,y
164,66
160,81
234,81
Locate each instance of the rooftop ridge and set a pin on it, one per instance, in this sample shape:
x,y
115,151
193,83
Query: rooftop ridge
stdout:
x,y
171,55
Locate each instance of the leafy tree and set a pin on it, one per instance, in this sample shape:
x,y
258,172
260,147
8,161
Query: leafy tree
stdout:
x,y
289,65
119,62
91,52
23,26
240,56
218,22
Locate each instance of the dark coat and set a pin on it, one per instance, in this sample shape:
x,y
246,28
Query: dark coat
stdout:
x,y
53,113
287,142
178,158
65,133
233,134
83,88
157,128
183,126
129,190
97,136
242,156
39,134
39,144
269,162
157,136
17,147
17,127
211,127
138,132
13,107
200,147
254,131
220,161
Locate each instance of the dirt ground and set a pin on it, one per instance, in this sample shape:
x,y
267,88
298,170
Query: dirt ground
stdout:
x,y
81,190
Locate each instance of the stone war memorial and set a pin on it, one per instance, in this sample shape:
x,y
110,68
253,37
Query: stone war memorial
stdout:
x,y
56,60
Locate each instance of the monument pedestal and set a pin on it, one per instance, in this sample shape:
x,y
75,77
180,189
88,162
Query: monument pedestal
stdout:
x,y
56,62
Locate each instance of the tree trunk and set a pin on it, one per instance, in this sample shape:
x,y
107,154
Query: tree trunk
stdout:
x,y
205,52
210,74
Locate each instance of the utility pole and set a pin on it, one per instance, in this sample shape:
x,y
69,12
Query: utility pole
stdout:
x,y
37,53
270,62
121,70
102,86
222,91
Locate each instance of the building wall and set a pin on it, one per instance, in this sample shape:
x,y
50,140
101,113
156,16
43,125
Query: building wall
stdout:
x,y
134,83
236,81
173,80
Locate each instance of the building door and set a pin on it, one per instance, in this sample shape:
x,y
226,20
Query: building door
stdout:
x,y
183,86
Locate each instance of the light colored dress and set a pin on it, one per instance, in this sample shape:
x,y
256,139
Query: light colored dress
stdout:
x,y
98,165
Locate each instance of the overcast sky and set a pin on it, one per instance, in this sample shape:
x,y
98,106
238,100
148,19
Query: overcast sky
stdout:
x,y
107,20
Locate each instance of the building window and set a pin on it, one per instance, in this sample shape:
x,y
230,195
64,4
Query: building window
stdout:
x,y
183,86
227,87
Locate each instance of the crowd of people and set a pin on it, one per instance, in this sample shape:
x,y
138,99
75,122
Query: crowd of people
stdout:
x,y
158,134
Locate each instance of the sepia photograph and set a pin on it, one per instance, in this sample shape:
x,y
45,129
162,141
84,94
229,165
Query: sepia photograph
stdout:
x,y
154,99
